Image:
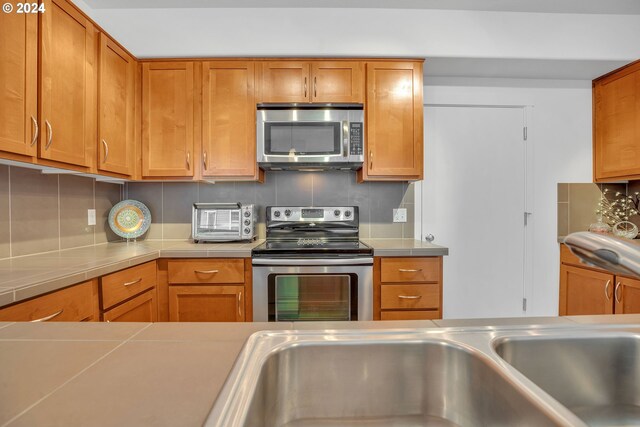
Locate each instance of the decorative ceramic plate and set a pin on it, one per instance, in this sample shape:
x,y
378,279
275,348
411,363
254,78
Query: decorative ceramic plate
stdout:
x,y
129,219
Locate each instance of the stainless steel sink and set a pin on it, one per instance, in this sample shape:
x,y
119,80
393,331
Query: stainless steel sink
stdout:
x,y
415,377
596,377
399,384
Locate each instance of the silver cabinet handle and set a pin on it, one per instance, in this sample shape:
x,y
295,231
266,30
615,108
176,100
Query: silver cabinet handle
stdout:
x,y
410,296
106,151
409,270
239,304
36,131
615,292
205,271
204,159
50,135
188,160
133,283
315,87
606,290
305,87
44,319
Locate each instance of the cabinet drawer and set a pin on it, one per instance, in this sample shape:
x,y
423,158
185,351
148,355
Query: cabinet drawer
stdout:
x,y
207,271
410,315
142,308
73,304
206,304
124,284
410,296
410,269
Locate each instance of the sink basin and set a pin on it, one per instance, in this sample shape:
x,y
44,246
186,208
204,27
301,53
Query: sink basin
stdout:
x,y
416,383
595,377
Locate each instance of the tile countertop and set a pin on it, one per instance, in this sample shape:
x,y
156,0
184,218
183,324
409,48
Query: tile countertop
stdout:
x,y
160,374
29,276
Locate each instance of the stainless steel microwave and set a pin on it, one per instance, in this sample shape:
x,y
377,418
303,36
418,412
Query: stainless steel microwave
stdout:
x,y
310,136
223,222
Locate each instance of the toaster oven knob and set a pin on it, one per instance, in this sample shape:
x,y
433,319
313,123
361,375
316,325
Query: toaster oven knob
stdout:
x,y
347,213
287,213
247,230
247,221
247,214
336,212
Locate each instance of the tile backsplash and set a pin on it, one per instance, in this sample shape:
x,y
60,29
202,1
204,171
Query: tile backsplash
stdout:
x,y
41,213
170,202
578,202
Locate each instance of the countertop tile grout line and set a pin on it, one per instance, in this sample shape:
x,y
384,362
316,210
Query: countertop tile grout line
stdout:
x,y
73,377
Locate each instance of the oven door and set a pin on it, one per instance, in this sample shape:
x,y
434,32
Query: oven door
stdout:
x,y
287,292
216,224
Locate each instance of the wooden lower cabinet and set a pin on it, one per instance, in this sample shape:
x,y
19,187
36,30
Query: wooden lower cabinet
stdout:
x,y
206,303
586,291
78,303
627,296
142,308
407,288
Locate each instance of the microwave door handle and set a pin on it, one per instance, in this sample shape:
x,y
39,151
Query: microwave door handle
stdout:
x,y
345,138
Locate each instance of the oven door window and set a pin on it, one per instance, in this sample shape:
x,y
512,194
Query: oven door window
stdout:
x,y
218,222
311,297
302,138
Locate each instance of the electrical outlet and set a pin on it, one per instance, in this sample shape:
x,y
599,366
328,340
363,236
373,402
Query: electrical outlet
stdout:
x,y
400,215
91,217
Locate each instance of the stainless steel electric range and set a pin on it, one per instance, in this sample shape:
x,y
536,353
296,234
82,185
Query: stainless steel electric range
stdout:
x,y
312,266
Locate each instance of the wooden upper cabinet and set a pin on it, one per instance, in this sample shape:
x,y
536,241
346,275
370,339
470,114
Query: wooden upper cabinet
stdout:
x,y
285,81
584,291
313,81
228,120
116,98
337,81
617,125
68,86
19,83
167,119
393,138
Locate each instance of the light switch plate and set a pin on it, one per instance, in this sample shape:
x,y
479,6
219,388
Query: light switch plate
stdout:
x,y
400,215
91,217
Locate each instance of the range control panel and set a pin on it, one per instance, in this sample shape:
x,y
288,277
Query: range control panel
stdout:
x,y
312,214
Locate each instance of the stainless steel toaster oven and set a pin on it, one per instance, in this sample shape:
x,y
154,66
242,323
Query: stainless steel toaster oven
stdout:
x,y
223,222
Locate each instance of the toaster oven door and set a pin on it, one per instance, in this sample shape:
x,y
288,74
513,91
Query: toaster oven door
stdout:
x,y
217,224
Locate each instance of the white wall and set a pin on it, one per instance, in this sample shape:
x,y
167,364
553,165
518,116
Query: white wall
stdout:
x,y
370,32
560,131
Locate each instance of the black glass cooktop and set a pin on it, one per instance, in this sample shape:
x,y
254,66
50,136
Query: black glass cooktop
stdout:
x,y
310,247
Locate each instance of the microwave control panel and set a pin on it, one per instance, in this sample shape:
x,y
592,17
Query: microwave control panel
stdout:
x,y
355,136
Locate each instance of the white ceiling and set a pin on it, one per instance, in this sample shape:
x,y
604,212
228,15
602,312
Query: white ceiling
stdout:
x,y
623,7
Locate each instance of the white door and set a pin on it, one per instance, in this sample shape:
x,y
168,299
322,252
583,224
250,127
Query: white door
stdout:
x,y
473,201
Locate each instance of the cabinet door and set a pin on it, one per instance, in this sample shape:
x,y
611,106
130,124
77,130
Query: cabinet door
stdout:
x,y
584,291
67,74
228,120
19,83
394,136
142,308
617,125
337,81
285,81
116,98
627,295
203,303
167,119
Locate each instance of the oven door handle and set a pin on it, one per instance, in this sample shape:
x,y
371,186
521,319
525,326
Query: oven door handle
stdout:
x,y
312,261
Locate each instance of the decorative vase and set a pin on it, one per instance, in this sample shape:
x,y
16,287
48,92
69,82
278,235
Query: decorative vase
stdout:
x,y
625,229
600,227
